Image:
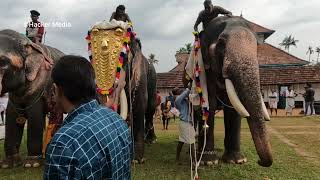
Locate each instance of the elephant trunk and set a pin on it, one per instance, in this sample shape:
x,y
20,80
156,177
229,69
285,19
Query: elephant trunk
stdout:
x,y
241,67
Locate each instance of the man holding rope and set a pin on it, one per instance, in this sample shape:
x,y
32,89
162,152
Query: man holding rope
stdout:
x,y
186,129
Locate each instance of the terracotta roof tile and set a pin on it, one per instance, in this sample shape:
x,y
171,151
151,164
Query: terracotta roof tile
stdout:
x,y
289,75
268,54
170,80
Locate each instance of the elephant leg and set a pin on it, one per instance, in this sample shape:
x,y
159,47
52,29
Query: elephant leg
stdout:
x,y
149,128
13,132
232,123
138,126
36,122
13,137
209,156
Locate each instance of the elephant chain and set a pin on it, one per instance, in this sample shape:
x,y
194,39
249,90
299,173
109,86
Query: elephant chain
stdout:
x,y
16,109
224,104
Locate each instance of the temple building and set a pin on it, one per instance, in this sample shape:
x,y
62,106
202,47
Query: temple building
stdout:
x,y
278,70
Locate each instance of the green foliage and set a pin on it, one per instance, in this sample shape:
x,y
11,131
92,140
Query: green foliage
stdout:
x,y
288,41
152,59
186,49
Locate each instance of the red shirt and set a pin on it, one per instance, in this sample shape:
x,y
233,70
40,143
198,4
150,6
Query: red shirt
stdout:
x,y
35,30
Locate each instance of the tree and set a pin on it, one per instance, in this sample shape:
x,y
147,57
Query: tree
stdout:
x,y
186,49
152,59
310,51
318,52
288,41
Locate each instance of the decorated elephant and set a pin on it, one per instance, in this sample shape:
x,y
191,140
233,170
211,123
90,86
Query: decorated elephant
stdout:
x,y
229,53
25,70
126,81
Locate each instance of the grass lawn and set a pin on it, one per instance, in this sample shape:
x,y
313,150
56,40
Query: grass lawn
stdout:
x,y
302,133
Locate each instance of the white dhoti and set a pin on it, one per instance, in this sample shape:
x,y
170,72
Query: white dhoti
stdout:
x,y
273,104
290,104
187,133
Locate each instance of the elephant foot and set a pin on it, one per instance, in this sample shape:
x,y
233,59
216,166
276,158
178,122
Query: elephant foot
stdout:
x,y
139,161
11,162
233,158
209,158
151,137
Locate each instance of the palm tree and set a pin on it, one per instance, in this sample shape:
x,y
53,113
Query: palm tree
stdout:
x,y
182,50
152,59
310,51
318,51
288,41
188,47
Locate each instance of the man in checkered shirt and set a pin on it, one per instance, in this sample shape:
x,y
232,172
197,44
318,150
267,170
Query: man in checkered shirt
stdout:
x,y
93,142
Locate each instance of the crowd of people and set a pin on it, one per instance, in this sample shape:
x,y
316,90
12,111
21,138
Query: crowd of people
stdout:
x,y
290,95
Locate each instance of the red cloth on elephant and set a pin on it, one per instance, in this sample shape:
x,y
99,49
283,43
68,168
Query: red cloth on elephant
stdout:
x,y
158,100
55,122
55,115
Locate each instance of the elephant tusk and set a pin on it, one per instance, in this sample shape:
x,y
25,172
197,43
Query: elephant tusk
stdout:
x,y
265,111
234,99
123,105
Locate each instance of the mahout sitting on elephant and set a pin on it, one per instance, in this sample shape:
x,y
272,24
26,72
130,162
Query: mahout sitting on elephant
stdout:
x,y
229,53
25,69
126,81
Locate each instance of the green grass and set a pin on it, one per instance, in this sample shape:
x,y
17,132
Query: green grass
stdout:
x,y
160,162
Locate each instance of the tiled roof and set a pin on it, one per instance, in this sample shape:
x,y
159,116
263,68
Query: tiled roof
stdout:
x,y
268,54
170,80
260,29
289,75
268,76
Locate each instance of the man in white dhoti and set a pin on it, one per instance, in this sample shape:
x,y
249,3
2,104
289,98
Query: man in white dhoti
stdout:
x,y
186,129
273,101
290,95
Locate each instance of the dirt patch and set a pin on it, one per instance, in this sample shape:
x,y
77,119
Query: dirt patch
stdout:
x,y
295,127
298,149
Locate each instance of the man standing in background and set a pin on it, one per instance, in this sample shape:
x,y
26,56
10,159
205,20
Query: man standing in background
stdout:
x,y
309,99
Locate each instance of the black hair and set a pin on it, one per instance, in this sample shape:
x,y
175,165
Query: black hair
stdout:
x,y
121,7
76,77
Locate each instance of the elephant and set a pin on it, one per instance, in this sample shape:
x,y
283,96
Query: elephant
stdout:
x,y
229,51
135,84
25,73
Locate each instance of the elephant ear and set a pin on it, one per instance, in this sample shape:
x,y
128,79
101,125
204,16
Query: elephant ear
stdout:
x,y
33,64
36,57
42,50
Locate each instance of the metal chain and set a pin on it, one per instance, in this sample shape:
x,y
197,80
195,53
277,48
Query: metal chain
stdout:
x,y
16,109
224,103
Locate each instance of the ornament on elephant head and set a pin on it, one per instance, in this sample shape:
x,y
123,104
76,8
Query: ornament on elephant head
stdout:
x,y
104,45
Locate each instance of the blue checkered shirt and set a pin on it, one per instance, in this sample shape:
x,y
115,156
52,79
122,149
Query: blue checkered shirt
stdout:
x,y
93,143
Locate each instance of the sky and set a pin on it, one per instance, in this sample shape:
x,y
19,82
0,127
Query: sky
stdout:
x,y
163,26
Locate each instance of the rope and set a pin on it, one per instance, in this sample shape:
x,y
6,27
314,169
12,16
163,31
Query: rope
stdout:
x,y
196,176
131,114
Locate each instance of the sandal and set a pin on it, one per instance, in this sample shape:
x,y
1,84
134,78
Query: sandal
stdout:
x,y
32,162
11,162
